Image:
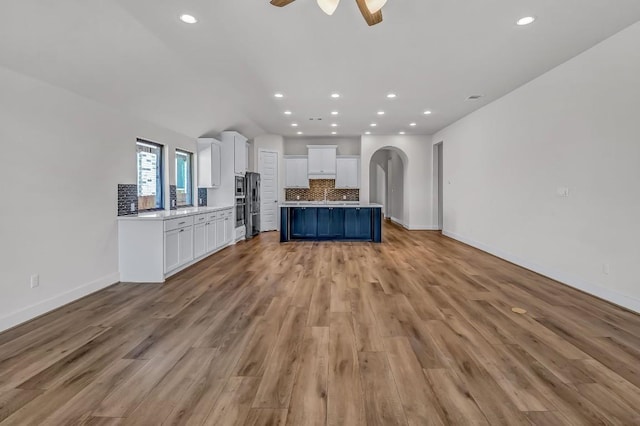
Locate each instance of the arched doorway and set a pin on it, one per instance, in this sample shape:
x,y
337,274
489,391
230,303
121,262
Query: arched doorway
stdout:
x,y
387,183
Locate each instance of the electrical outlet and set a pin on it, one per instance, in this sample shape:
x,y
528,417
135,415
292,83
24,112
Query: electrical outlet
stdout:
x,y
562,191
606,268
35,280
133,207
344,197
297,197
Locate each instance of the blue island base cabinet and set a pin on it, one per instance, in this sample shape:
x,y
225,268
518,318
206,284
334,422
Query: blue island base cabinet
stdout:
x,y
331,223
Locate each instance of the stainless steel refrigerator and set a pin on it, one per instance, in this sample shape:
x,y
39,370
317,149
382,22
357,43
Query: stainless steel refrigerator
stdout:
x,y
252,218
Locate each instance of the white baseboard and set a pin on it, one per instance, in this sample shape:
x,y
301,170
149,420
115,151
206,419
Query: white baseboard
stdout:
x,y
612,296
422,228
397,221
30,312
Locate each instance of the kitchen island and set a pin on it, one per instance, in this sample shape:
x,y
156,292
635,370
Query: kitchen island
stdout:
x,y
348,221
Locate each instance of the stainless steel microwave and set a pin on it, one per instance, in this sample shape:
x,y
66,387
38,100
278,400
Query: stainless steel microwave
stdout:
x,y
240,186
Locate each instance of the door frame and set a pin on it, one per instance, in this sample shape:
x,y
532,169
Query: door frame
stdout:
x,y
277,179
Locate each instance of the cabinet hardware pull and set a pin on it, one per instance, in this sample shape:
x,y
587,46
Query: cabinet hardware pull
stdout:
x,y
182,223
182,230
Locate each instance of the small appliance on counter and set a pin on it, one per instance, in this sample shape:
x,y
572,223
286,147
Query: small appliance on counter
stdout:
x,y
252,217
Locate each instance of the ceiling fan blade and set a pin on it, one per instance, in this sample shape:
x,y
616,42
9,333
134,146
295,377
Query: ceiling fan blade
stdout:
x,y
371,18
281,3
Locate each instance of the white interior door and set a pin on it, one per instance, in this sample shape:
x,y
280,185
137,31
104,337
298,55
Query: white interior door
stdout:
x,y
268,169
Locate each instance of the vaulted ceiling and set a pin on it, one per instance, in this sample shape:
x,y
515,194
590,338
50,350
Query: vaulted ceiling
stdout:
x,y
222,73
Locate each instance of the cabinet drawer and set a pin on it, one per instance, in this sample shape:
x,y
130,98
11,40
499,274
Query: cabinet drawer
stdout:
x,y
171,224
213,216
201,218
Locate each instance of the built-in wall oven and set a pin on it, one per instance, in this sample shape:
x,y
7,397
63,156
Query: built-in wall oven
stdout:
x,y
241,201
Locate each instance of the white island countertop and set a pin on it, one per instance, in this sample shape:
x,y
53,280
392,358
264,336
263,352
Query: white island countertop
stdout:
x,y
170,214
335,204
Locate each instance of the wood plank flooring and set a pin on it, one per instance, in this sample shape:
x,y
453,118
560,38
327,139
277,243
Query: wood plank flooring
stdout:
x,y
415,331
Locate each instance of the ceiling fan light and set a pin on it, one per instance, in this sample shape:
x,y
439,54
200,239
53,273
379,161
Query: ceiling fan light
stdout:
x,y
328,6
375,5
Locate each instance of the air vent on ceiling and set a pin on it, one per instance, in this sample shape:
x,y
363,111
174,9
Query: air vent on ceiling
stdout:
x,y
474,97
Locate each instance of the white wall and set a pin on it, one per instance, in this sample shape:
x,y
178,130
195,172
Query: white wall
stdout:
x,y
298,146
396,186
378,179
576,126
417,150
64,156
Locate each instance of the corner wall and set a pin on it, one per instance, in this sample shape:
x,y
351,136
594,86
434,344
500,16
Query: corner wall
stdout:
x,y
64,156
575,127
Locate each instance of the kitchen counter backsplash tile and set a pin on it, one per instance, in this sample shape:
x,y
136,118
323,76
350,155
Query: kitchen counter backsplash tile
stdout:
x,y
173,197
316,192
202,197
127,195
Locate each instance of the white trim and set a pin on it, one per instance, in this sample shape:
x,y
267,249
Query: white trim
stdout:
x,y
397,221
422,228
30,312
567,279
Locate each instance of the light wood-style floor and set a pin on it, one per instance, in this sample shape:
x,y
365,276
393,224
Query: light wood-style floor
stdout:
x,y
418,330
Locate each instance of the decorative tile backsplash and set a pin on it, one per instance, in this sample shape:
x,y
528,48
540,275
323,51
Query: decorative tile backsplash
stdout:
x,y
173,197
316,192
127,195
202,197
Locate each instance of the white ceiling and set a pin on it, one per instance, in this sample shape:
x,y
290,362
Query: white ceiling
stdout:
x,y
222,72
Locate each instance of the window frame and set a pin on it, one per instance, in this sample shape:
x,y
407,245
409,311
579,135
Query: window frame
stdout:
x,y
159,177
189,183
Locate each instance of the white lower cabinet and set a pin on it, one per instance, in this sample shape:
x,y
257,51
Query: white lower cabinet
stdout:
x,y
151,250
199,240
171,250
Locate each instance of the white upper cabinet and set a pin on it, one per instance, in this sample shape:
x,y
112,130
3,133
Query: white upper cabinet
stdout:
x,y
241,149
348,172
209,163
322,161
296,172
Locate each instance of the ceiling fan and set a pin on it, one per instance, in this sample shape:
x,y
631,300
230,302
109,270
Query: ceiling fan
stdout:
x,y
370,9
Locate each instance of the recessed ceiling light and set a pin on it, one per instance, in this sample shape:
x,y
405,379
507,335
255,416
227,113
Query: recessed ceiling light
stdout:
x,y
380,112
391,95
279,95
427,112
188,19
373,124
334,133
287,113
294,124
413,124
300,133
334,125
367,133
402,133
526,20
335,95
334,112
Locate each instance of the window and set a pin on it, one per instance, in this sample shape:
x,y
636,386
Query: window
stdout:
x,y
184,178
150,194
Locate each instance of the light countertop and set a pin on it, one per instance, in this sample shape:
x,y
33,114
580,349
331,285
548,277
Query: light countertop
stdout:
x,y
170,214
335,204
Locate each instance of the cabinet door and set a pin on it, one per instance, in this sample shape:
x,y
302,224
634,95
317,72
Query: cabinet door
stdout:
x,y
324,222
199,240
210,229
297,222
347,173
229,230
310,222
220,232
171,250
186,245
290,172
322,161
216,164
336,222
351,223
364,224
240,151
